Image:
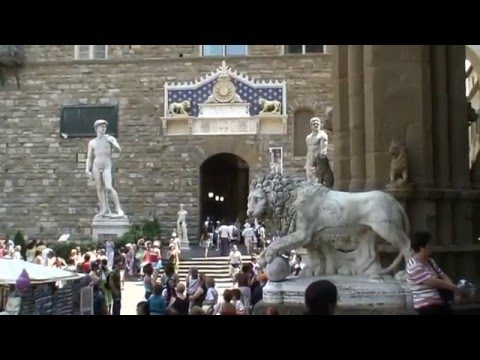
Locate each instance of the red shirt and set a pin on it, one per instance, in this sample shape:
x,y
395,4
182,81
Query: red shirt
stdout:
x,y
86,267
151,256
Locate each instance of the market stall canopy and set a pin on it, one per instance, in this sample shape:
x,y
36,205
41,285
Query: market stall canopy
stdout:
x,y
10,270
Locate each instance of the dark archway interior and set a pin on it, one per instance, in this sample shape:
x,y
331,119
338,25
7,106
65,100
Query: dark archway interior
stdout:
x,y
224,175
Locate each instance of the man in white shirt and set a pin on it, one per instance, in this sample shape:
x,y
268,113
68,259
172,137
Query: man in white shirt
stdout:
x,y
235,261
224,237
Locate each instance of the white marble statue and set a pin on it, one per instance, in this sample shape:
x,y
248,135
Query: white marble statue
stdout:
x,y
182,223
99,168
398,165
313,217
317,166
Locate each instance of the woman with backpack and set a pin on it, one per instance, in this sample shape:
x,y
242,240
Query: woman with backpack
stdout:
x,y
169,275
105,284
181,303
211,297
148,280
198,296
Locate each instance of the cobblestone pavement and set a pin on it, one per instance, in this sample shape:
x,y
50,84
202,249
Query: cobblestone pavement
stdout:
x,y
132,294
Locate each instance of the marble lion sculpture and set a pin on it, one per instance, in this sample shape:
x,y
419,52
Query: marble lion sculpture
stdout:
x,y
179,108
399,163
313,216
273,107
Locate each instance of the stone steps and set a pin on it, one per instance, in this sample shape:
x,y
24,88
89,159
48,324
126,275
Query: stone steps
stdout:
x,y
215,266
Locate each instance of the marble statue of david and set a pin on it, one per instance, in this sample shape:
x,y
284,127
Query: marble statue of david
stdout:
x,y
100,151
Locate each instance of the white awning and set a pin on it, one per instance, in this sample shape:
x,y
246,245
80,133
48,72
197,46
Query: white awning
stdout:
x,y
10,271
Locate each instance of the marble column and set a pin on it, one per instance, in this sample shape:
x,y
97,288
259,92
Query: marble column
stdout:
x,y
457,112
441,142
341,127
397,106
356,117
459,162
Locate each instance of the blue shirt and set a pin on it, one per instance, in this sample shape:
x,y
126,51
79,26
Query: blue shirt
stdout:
x,y
157,304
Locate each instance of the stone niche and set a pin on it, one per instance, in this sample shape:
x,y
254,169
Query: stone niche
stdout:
x,y
225,103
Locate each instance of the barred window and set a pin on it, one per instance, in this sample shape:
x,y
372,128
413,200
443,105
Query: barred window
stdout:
x,y
78,120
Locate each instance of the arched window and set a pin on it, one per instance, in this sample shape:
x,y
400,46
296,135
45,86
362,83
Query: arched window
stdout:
x,y
301,128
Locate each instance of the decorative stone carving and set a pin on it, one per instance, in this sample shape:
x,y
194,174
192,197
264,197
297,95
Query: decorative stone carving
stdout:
x,y
313,216
211,126
278,269
356,292
272,107
222,111
398,166
317,166
179,108
103,228
224,102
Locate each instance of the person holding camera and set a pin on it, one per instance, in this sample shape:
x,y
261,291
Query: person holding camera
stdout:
x,y
433,291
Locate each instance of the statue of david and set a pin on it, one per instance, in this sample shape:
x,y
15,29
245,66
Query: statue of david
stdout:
x,y
99,169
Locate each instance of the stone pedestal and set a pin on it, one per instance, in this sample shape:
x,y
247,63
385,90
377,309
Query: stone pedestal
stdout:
x,y
184,245
353,292
109,227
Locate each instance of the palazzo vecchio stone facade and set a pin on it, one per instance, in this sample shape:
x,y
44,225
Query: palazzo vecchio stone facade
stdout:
x,y
43,187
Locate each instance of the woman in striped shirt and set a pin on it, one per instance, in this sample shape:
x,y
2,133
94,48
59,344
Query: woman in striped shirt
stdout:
x,y
426,278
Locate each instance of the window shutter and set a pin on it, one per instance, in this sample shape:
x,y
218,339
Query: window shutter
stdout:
x,y
313,48
212,50
77,121
294,49
235,50
83,52
99,51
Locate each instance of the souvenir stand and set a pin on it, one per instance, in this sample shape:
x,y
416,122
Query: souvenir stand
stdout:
x,y
31,289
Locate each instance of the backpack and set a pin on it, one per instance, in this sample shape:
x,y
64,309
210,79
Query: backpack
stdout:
x,y
167,279
235,232
257,232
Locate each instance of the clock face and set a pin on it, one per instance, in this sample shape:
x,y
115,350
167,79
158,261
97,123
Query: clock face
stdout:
x,y
224,91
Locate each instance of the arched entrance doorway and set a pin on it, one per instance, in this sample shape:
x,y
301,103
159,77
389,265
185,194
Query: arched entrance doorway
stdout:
x,y
223,188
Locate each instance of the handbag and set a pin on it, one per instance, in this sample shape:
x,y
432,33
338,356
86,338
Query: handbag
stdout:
x,y
447,295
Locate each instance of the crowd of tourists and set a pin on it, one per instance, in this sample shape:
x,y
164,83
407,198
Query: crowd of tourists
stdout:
x,y
168,296
222,235
105,269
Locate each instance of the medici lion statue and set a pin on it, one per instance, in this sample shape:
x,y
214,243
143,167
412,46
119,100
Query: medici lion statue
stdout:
x,y
179,108
314,217
272,107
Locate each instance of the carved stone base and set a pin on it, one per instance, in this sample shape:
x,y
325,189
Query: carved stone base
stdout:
x,y
353,291
400,188
184,245
105,227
